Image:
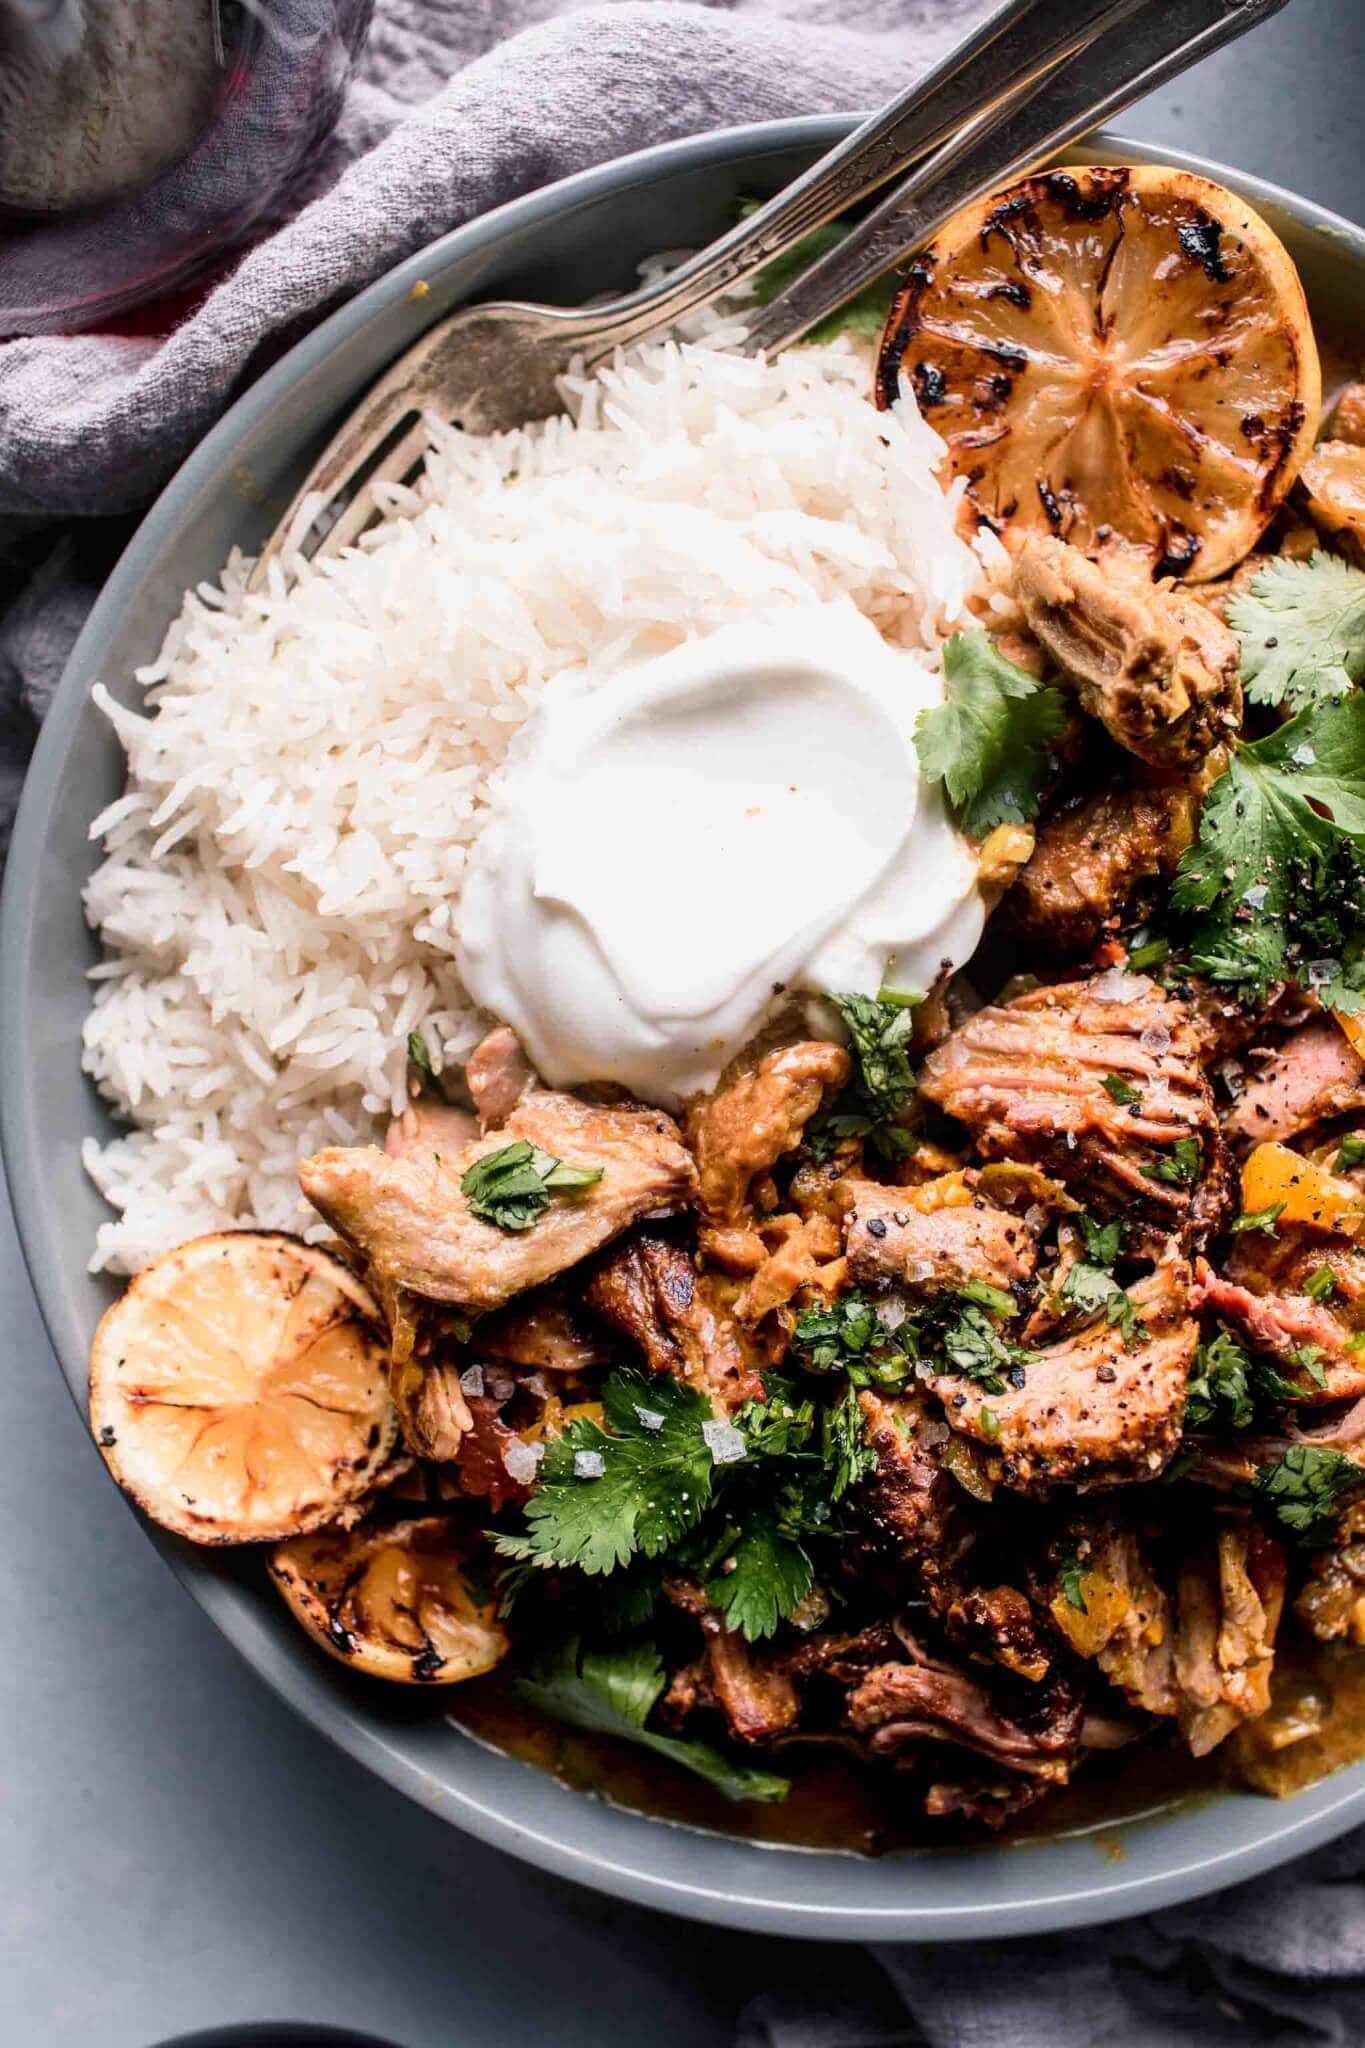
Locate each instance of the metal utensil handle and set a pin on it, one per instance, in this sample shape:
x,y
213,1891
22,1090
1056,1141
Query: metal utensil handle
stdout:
x,y
1154,42
1011,50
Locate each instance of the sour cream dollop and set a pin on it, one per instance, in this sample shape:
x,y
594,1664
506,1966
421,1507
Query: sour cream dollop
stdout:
x,y
676,850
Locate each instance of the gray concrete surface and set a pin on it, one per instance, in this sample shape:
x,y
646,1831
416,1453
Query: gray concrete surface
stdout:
x,y
176,1851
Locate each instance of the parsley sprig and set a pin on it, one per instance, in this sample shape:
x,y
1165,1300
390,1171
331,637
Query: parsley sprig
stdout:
x,y
988,742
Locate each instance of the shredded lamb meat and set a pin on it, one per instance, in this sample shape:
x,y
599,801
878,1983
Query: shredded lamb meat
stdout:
x,y
1028,1079
649,1289
1087,861
1314,1075
1153,665
739,1134
943,1234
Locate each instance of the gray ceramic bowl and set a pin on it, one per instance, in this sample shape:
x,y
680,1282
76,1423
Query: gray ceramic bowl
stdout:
x,y
580,237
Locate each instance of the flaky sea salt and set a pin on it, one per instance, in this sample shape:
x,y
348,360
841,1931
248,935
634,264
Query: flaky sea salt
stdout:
x,y
471,1379
588,1464
723,1441
521,1460
649,1418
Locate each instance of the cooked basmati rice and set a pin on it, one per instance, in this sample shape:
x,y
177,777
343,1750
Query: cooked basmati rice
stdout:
x,y
281,886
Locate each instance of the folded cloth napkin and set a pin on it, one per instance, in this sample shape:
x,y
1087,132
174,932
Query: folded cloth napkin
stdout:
x,y
456,106
1280,1960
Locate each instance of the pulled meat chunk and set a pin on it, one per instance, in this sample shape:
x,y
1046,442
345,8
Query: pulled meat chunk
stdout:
x,y
413,1227
1315,1074
498,1074
898,1705
1348,418
1028,1078
1263,1297
914,1511
1087,861
1155,666
428,1126
742,1131
540,1331
1095,1409
910,1236
649,1289
1228,1602
1331,1603
1200,1654
1333,481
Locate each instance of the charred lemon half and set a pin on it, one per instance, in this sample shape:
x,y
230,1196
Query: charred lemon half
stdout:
x,y
238,1389
402,1602
1114,355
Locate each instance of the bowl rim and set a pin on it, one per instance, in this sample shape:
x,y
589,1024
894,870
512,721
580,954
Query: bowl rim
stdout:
x,y
582,1837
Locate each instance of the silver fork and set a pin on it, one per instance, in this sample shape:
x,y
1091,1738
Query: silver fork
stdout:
x,y
1032,77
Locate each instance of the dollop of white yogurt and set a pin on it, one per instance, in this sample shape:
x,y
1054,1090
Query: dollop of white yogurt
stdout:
x,y
677,849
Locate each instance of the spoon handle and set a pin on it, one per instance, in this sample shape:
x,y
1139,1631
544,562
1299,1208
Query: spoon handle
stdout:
x,y
1142,47
1010,52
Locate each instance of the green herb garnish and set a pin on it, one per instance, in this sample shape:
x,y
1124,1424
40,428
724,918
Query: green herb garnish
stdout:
x,y
988,742
1351,1153
1070,1574
1302,629
1321,1282
613,1692
1257,1219
1271,880
1304,1486
1120,1091
1180,1169
511,1188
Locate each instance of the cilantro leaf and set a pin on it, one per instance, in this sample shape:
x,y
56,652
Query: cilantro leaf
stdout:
x,y
847,1457
1268,873
763,1578
1302,629
1070,1573
1219,1387
1091,1291
1304,1486
958,1336
613,1692
1351,1153
655,1484
987,743
1120,1091
879,1031
1102,1241
511,1188
1321,1283
865,313
1180,1167
1257,1219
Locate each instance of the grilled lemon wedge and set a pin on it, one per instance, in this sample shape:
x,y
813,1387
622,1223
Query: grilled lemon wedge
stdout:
x,y
238,1390
1114,354
399,1602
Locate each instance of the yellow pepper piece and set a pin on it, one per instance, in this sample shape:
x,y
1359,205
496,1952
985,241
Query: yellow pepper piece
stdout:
x,y
1274,1175
1354,1030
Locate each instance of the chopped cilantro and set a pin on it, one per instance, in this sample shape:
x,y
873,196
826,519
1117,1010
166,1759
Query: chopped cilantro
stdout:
x,y
1070,1574
1219,1389
1302,629
1321,1282
511,1188
876,1098
987,743
1307,1358
1270,879
1257,1219
848,1458
780,1426
995,1298
1120,1091
1102,1241
988,1422
1304,1486
957,1335
762,1577
613,1692
1180,1168
1350,1153
1091,1291
851,1336
1152,954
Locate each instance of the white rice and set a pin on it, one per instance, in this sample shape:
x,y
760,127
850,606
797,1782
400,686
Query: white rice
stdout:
x,y
281,886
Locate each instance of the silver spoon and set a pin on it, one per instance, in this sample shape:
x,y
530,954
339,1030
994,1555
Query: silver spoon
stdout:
x,y
1028,80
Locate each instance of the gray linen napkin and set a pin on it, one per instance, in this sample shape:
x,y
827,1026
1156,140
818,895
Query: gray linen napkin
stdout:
x,y
456,106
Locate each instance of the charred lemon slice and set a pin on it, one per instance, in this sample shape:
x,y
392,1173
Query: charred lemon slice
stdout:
x,y
238,1391
400,1602
1114,355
